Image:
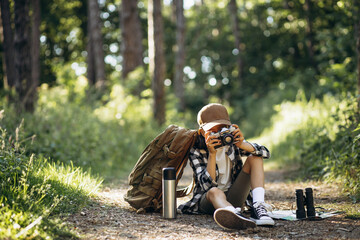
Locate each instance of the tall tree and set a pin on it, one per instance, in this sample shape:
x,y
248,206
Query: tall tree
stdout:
x,y
8,46
180,54
156,58
95,57
236,31
35,53
23,54
131,45
357,24
310,33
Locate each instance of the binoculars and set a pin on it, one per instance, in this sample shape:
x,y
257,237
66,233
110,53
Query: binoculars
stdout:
x,y
304,200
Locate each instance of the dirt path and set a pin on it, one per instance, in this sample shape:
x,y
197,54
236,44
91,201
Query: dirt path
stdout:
x,y
110,217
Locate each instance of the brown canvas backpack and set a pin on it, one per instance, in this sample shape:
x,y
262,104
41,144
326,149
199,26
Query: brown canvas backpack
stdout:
x,y
169,149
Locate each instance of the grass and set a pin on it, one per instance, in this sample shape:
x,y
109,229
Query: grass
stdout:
x,y
319,138
352,211
35,193
294,123
50,160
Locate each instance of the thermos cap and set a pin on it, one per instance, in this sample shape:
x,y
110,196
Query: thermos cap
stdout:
x,y
169,173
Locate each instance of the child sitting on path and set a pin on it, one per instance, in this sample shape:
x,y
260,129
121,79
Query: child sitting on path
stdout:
x,y
222,181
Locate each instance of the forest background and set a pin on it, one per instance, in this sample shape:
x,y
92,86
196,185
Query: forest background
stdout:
x,y
88,84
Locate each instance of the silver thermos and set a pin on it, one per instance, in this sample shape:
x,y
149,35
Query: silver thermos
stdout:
x,y
169,192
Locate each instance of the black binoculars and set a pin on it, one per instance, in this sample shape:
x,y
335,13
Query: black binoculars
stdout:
x,y
302,201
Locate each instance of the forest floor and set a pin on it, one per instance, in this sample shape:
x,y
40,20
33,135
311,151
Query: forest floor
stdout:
x,y
110,217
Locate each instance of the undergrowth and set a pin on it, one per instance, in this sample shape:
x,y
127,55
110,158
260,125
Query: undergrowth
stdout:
x,y
35,193
107,138
320,138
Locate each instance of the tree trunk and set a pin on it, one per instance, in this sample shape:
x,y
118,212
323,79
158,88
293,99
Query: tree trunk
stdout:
x,y
8,46
310,34
96,75
180,54
90,61
22,54
357,24
131,47
35,55
156,58
235,25
3,54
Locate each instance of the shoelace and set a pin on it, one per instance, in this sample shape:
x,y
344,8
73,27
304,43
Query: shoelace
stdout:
x,y
261,208
238,210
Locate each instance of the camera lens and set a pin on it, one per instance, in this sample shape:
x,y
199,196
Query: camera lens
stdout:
x,y
228,139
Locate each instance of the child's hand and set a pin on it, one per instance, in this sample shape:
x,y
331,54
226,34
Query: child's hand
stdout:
x,y
211,142
238,136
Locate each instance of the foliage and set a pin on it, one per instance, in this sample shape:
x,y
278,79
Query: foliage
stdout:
x,y
336,159
318,138
276,51
275,38
34,192
106,135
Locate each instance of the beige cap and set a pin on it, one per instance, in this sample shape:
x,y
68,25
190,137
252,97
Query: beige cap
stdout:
x,y
211,115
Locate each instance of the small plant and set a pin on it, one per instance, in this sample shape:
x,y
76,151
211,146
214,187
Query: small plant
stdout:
x,y
35,192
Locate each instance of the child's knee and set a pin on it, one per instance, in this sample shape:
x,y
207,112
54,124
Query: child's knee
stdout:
x,y
213,193
250,162
254,159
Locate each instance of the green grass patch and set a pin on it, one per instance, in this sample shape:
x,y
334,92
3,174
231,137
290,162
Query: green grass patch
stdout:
x,y
36,193
351,210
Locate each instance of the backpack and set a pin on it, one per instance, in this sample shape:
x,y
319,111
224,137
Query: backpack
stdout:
x,y
169,149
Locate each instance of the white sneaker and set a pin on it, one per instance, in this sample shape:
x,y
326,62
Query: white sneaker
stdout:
x,y
260,216
231,219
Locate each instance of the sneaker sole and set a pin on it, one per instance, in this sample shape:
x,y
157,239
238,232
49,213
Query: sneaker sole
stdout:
x,y
265,222
231,221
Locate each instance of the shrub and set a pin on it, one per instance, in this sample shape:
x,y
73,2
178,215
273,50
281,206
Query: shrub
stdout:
x,y
107,138
320,138
34,192
335,160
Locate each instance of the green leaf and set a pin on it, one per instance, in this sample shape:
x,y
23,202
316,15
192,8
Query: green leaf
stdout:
x,y
357,129
357,138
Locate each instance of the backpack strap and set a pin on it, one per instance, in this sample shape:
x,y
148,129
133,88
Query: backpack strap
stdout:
x,y
183,192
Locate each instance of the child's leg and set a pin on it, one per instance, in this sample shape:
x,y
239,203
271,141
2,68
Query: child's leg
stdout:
x,y
239,190
217,197
254,166
251,176
212,200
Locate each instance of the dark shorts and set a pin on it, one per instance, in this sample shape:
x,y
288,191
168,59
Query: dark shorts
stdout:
x,y
236,194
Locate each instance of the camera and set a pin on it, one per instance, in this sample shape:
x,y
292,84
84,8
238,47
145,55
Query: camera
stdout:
x,y
225,136
302,201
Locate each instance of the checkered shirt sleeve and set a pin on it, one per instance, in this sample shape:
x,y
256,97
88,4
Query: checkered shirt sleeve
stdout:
x,y
260,151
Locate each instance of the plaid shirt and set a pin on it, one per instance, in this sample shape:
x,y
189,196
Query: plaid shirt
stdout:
x,y
203,181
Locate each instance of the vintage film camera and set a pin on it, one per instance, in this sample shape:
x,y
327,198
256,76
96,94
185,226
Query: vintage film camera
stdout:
x,y
302,201
225,136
